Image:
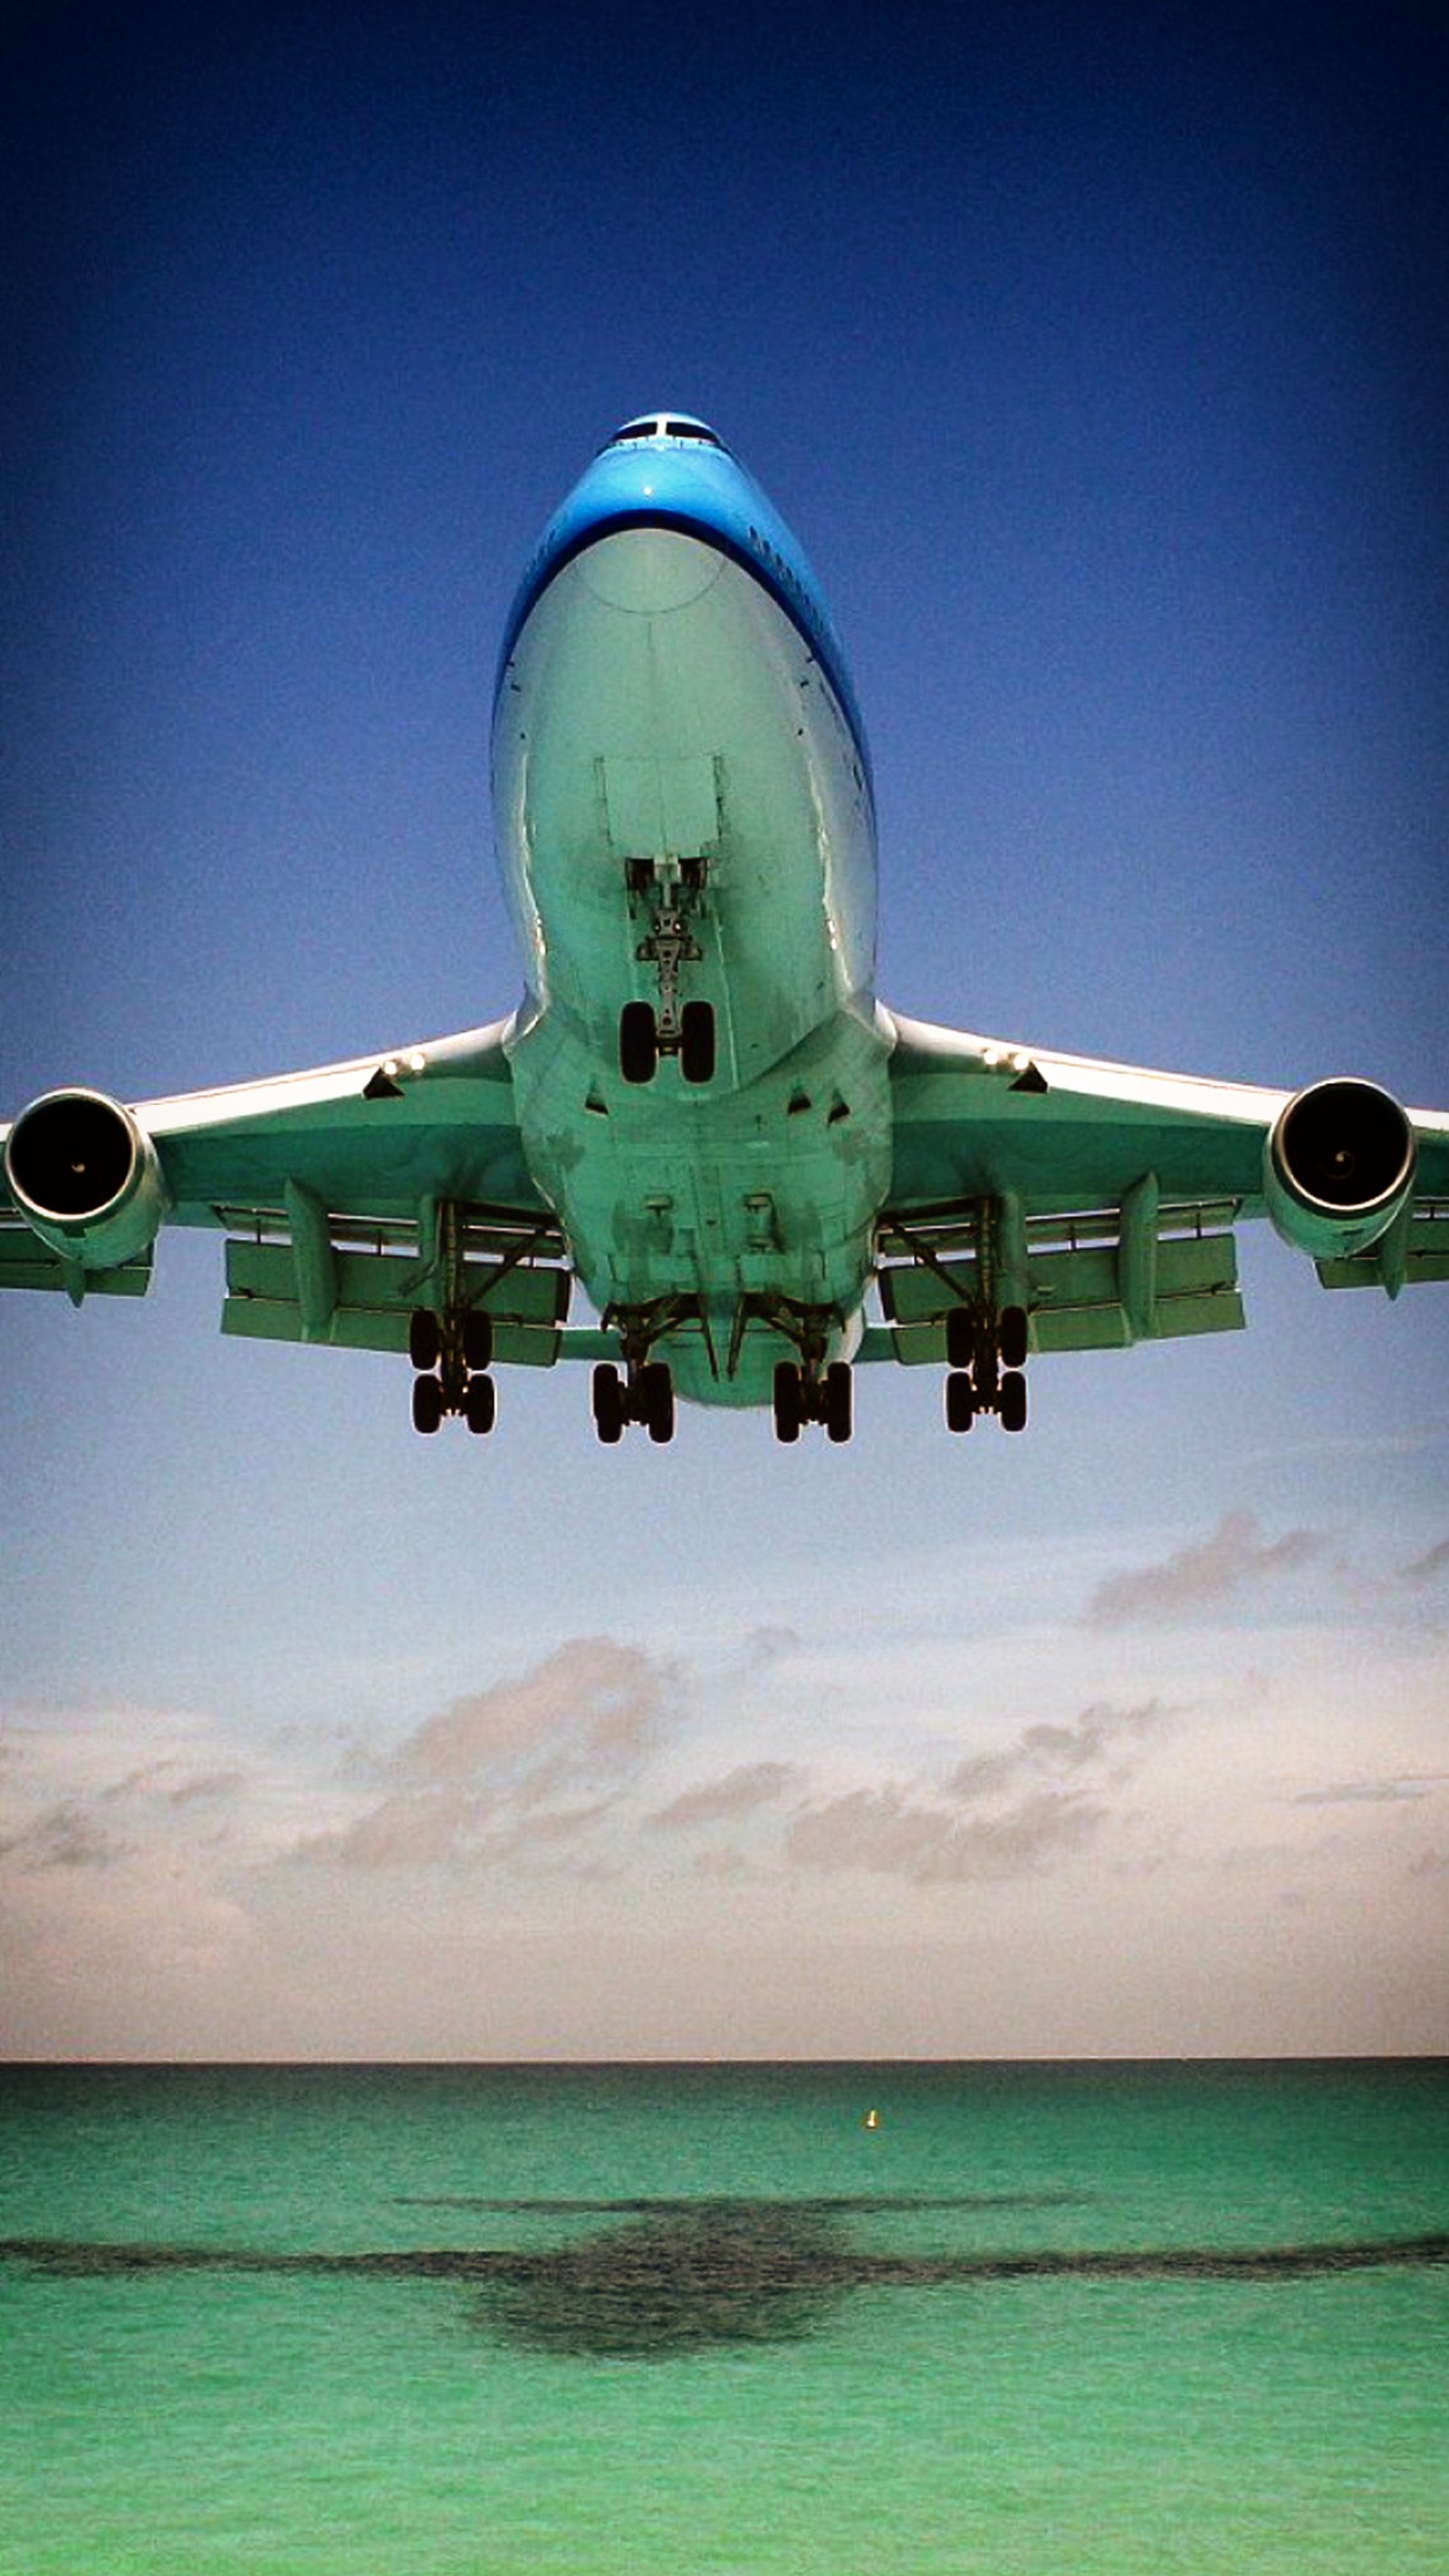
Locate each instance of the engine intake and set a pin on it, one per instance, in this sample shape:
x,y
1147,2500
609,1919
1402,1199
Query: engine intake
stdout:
x,y
86,1178
1339,1167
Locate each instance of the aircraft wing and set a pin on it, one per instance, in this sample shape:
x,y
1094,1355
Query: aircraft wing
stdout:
x,y
350,1196
1101,1198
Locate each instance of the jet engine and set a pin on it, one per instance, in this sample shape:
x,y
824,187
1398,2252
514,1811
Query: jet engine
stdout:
x,y
1338,1168
86,1178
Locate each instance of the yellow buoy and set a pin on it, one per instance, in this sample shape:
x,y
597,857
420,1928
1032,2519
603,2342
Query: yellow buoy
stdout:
x,y
872,2119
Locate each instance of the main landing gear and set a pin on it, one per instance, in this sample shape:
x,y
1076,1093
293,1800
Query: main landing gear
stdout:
x,y
985,1357
452,1355
804,1395
645,1395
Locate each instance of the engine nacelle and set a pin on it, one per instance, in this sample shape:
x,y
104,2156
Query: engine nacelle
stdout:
x,y
1338,1168
86,1178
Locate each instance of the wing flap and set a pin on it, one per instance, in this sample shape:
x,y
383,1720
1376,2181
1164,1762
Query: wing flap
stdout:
x,y
268,1319
25,1262
319,1283
1421,1254
1099,1281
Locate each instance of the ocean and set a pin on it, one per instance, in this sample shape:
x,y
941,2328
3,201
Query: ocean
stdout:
x,y
783,2320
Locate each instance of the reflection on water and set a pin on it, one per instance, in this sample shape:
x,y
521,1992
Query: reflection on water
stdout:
x,y
673,2276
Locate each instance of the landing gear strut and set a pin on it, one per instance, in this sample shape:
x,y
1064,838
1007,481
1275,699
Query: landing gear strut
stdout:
x,y
985,1356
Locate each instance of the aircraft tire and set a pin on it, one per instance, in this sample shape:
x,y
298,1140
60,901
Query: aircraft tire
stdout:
x,y
427,1403
478,1338
480,1405
1012,1337
960,1404
839,1400
658,1395
608,1402
638,1042
1012,1401
425,1338
696,1042
789,1400
960,1337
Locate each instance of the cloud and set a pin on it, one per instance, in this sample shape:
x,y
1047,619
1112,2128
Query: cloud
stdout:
x,y
1371,1793
1044,1748
531,1762
749,1786
886,1830
604,1696
1234,1561
1035,1802
60,1837
1428,1567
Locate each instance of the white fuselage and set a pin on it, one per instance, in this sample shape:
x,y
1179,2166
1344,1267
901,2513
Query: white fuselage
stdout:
x,y
662,723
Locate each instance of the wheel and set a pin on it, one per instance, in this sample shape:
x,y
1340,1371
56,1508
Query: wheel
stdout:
x,y
789,1400
960,1403
478,1338
638,1042
1012,1401
427,1403
425,1338
839,1393
960,1337
608,1394
656,1391
480,1404
696,1042
1011,1339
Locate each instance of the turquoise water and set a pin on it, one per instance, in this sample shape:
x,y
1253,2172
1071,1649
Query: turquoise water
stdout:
x,y
405,2321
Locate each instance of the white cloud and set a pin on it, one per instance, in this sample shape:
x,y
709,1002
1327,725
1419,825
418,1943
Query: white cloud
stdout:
x,y
1078,1835
750,1785
1235,1561
886,1830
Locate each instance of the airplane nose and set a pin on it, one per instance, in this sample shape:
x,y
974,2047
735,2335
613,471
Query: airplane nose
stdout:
x,y
648,571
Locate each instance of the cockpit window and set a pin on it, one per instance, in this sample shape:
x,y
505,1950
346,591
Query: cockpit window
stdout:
x,y
659,425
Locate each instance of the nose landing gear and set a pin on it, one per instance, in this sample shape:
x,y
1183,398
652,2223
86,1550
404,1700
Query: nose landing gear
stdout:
x,y
668,894
645,1035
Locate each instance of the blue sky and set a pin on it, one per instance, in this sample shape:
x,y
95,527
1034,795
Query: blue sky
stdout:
x,y
1098,357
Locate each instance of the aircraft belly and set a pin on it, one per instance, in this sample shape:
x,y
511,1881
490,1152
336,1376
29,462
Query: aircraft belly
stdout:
x,y
660,712
725,1200
660,707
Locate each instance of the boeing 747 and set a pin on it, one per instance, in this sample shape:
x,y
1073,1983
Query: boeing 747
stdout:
x,y
760,1177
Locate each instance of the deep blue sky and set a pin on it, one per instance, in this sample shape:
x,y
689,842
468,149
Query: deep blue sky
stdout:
x,y
1098,355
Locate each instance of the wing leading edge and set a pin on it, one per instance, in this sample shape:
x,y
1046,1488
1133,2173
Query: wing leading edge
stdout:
x,y
1099,1199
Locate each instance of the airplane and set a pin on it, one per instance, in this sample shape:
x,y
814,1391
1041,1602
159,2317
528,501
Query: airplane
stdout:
x,y
760,1176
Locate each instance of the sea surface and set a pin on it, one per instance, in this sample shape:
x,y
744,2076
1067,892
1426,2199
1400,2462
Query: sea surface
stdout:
x,y
832,2320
